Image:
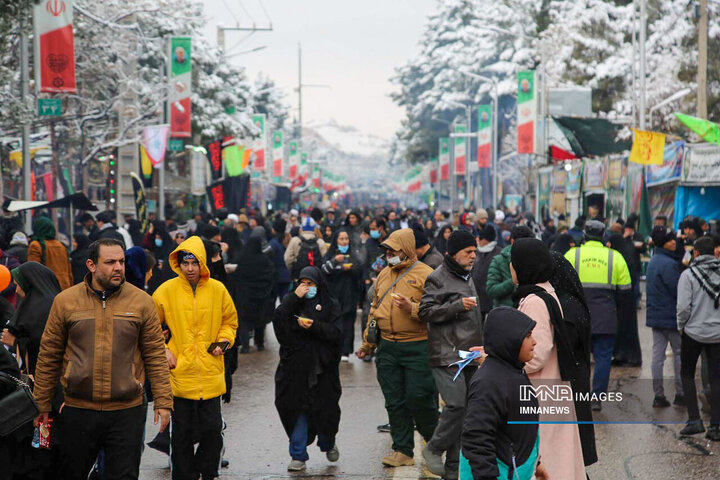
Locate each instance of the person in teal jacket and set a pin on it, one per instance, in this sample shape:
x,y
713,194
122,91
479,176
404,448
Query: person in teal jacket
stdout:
x,y
499,285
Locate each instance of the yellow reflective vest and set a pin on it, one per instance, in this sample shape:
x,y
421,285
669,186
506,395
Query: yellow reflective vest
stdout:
x,y
605,277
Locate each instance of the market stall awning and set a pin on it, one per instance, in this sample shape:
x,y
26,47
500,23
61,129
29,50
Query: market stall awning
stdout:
x,y
592,136
77,200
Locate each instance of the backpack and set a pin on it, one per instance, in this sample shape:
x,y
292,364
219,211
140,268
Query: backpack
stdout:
x,y
309,255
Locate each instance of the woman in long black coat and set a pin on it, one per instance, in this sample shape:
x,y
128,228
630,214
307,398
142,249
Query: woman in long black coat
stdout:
x,y
39,286
253,282
343,267
307,380
569,291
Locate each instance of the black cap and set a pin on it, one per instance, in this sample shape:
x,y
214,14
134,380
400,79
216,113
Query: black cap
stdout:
x,y
420,237
487,233
594,229
521,231
661,235
459,239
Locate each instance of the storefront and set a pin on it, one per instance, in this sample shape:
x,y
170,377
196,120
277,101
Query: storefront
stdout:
x,y
698,194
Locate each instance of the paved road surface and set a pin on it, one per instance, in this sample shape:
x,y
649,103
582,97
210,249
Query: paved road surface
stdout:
x,y
257,445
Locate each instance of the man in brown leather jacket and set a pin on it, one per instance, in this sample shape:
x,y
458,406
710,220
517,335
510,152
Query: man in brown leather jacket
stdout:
x,y
101,337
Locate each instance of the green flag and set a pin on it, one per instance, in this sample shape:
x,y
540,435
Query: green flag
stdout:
x,y
708,131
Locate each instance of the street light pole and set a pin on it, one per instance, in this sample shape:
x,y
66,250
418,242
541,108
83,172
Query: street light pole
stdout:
x,y
643,32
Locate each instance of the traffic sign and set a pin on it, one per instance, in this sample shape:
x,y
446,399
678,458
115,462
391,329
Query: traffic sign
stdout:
x,y
49,107
175,145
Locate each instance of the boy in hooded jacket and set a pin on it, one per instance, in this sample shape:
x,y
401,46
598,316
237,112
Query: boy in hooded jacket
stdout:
x,y
492,447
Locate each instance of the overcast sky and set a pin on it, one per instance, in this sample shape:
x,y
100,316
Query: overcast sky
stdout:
x,y
352,46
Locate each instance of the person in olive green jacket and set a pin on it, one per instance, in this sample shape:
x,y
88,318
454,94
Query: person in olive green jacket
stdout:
x,y
500,286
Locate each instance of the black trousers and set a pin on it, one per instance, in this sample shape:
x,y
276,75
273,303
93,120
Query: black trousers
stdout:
x,y
85,432
348,326
690,351
196,421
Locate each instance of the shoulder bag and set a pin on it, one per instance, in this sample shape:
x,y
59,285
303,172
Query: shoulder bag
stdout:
x,y
372,329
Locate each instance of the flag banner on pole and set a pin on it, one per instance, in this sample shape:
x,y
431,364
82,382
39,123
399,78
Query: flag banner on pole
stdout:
x,y
648,148
232,156
460,150
198,171
155,140
180,86
54,46
145,164
526,112
444,158
484,136
277,153
140,202
214,156
304,166
433,170
260,143
317,176
293,160
707,130
247,153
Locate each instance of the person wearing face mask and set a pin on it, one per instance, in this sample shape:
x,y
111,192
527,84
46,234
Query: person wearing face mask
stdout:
x,y
342,266
308,325
402,349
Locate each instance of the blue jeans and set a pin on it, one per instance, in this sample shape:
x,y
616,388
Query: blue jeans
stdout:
x,y
299,440
602,349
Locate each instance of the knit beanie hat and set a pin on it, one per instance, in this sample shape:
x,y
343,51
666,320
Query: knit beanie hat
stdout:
x,y
420,237
487,233
661,235
459,239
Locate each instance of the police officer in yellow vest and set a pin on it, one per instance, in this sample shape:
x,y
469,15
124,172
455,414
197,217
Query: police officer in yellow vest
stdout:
x,y
605,278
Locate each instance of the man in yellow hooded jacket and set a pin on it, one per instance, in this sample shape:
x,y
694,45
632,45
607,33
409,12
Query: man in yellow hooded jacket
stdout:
x,y
199,312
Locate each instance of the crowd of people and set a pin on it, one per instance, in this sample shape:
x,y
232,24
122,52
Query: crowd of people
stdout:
x,y
109,320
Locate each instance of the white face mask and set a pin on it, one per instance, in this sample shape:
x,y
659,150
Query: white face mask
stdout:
x,y
392,261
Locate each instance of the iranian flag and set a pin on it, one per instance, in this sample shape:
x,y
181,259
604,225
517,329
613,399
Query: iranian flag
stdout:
x,y
54,46
317,177
484,136
304,166
444,158
526,112
180,86
293,161
460,150
277,153
413,179
433,170
260,143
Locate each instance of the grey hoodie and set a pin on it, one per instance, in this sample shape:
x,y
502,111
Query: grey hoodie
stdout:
x,y
696,312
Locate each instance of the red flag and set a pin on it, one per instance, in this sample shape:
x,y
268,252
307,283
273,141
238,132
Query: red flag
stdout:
x,y
54,46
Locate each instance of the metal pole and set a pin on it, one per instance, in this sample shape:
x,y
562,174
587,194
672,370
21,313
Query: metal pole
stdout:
x,y
702,60
299,89
643,32
468,146
24,94
634,64
495,147
161,170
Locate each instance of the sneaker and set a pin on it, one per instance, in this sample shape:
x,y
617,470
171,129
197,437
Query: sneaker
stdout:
x,y
384,428
661,402
398,459
596,405
296,466
693,427
333,454
433,462
344,358
713,433
679,401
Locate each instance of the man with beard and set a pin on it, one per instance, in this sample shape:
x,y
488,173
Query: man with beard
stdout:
x,y
101,336
449,306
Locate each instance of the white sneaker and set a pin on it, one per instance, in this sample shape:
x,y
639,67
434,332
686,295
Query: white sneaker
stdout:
x,y
296,466
344,358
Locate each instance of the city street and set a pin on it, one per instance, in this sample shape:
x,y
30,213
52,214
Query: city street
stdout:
x,y
256,445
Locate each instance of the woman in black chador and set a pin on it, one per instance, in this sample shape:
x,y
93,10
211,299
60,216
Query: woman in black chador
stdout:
x,y
308,326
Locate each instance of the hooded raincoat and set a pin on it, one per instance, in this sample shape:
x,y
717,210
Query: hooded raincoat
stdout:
x,y
196,318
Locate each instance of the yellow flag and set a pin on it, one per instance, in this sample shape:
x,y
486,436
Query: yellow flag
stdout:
x,y
145,163
648,148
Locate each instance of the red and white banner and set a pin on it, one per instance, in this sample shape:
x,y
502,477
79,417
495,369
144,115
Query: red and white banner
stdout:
x,y
460,151
484,136
260,143
444,158
54,46
154,141
294,160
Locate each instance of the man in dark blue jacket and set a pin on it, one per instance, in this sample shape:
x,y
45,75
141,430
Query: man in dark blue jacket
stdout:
x,y
663,274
